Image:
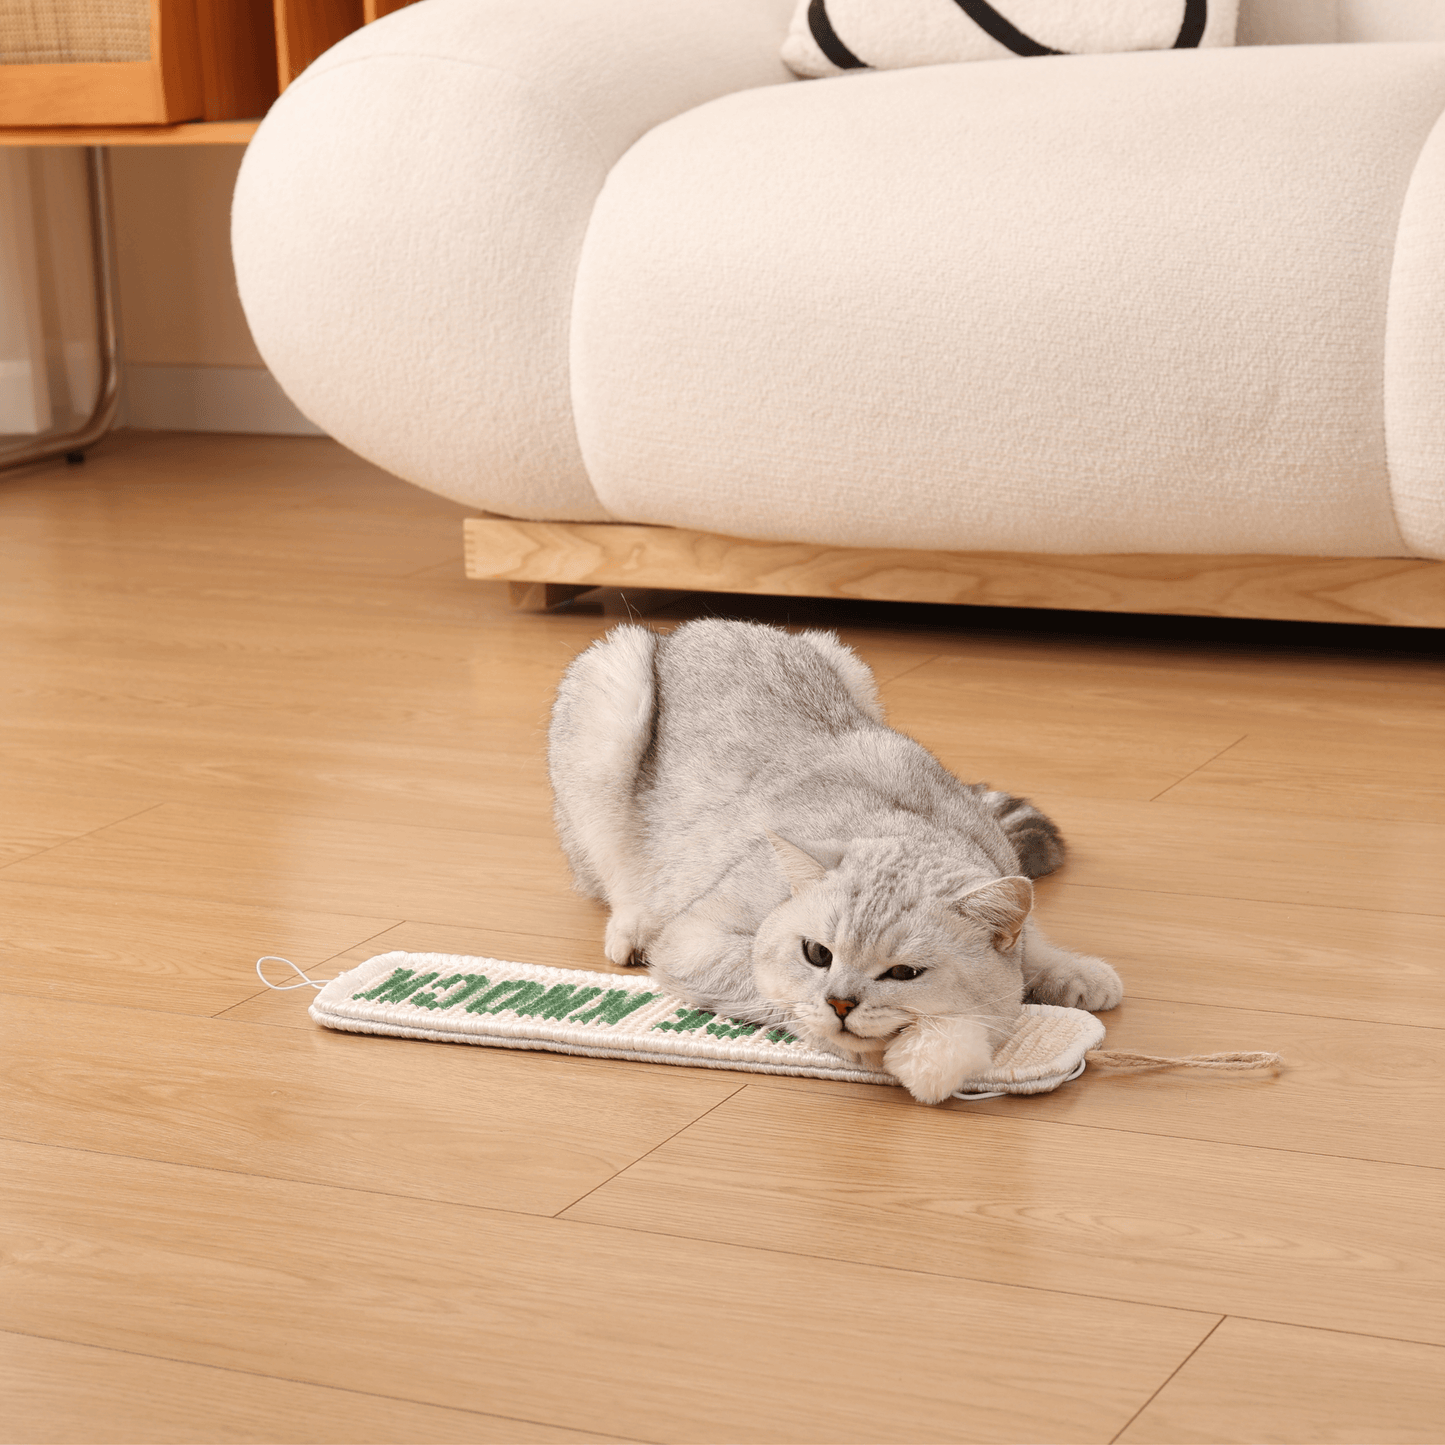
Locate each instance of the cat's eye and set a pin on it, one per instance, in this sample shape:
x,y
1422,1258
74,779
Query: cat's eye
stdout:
x,y
903,973
816,954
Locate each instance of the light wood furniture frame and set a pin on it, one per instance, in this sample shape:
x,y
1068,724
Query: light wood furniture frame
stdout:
x,y
188,133
549,562
209,59
213,60
165,87
306,28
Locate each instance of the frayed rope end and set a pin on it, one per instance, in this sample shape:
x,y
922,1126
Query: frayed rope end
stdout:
x,y
1123,1061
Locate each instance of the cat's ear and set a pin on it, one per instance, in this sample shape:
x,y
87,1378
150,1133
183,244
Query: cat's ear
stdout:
x,y
1002,905
803,866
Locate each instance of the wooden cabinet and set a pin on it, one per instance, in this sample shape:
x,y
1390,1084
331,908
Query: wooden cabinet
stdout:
x,y
135,62
306,28
160,62
238,57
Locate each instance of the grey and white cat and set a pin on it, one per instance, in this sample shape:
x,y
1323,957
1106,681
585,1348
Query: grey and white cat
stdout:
x,y
773,851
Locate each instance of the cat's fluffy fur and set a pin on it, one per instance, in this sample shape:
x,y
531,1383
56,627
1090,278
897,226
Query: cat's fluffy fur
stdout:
x,y
732,791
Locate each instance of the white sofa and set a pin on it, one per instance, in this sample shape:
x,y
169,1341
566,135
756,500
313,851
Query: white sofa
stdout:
x,y
587,262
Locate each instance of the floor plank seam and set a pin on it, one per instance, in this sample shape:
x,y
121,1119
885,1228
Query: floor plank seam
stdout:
x,y
65,842
1021,1118
315,1384
557,1214
275,1178
1070,794
1272,809
1013,1117
591,944
1282,1013
1340,1330
1192,771
1172,1374
12,992
459,558
67,887
1313,903
243,805
1215,1143
1008,1284
907,671
234,902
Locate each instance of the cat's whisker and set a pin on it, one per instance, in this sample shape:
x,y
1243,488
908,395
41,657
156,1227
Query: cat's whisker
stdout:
x,y
989,1028
1010,994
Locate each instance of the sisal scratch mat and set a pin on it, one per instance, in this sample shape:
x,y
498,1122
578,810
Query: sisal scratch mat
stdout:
x,y
613,1016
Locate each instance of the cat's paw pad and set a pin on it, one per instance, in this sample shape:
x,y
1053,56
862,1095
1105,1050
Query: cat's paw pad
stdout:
x,y
1086,983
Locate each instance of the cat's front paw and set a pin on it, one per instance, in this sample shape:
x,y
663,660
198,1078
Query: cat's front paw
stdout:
x,y
933,1057
622,943
1078,982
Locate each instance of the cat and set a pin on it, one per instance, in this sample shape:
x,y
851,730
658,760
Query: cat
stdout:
x,y
773,851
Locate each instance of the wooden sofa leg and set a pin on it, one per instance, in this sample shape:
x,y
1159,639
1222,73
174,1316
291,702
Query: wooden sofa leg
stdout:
x,y
541,596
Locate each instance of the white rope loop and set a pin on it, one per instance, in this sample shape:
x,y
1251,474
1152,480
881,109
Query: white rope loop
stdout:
x,y
282,987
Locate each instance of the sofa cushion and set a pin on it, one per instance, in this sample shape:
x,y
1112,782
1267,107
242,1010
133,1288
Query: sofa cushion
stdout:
x,y
1123,303
828,37
408,220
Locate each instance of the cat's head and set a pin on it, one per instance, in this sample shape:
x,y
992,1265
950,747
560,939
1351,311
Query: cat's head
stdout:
x,y
896,959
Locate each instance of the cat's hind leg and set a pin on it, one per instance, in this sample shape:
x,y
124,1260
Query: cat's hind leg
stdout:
x,y
602,723
1071,980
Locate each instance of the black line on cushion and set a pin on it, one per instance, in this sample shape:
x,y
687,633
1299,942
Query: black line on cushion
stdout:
x,y
827,38
1005,32
1191,32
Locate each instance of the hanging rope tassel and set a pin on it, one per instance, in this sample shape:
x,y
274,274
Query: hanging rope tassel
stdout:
x,y
1124,1061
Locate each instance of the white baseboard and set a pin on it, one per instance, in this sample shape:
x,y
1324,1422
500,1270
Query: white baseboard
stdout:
x,y
24,401
208,398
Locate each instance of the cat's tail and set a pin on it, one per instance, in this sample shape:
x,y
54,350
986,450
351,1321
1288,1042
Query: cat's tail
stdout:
x,y
602,724
853,672
1035,836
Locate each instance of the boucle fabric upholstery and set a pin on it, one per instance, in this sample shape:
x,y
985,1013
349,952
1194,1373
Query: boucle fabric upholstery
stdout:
x,y
584,261
408,218
1415,357
1319,22
1122,303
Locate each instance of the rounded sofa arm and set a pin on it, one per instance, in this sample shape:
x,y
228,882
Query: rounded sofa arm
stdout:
x,y
408,220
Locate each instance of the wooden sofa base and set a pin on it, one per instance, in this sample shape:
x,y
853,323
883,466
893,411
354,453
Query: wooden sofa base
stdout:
x,y
556,560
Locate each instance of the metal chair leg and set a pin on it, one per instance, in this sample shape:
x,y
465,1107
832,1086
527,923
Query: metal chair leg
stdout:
x,y
72,444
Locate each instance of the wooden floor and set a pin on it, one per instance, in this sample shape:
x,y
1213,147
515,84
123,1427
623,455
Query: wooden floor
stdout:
x,y
249,705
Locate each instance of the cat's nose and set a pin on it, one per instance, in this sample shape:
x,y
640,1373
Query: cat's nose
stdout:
x,y
843,1006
